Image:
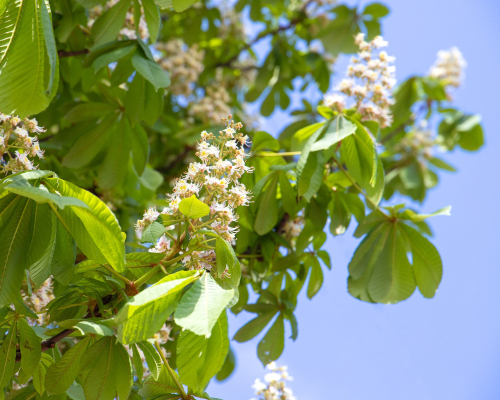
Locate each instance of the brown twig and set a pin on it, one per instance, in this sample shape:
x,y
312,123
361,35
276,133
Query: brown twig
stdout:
x,y
64,53
50,343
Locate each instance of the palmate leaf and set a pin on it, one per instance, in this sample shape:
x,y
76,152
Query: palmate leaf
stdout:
x,y
273,343
201,306
144,314
29,344
152,358
8,356
198,358
164,385
28,58
96,229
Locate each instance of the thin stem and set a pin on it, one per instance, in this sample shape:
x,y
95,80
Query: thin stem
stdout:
x,y
171,371
170,236
58,216
7,320
120,277
248,255
283,154
172,222
143,279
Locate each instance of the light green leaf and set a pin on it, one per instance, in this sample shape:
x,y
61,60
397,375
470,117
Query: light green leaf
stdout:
x,y
414,217
61,374
152,358
163,385
198,358
145,313
151,71
29,344
441,164
193,208
28,64
201,305
87,326
110,57
88,111
136,359
44,196
95,229
336,130
263,140
181,5
315,279
272,344
312,175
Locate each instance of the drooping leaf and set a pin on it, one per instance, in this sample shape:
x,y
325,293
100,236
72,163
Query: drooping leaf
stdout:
x,y
201,306
336,130
200,358
144,314
8,356
267,214
29,345
272,344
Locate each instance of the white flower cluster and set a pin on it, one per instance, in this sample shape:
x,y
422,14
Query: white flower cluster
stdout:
x,y
275,386
39,299
129,29
232,25
369,83
213,106
449,67
417,143
183,63
17,132
293,227
216,178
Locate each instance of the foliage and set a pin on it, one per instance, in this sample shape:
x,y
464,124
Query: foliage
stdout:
x,y
100,300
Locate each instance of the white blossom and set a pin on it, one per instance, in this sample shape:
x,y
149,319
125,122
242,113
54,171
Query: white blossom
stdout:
x,y
449,67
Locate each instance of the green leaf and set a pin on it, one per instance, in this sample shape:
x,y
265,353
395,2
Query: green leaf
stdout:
x,y
272,344
193,208
95,229
263,140
100,380
198,358
312,175
336,130
414,217
267,213
152,15
64,255
13,247
89,145
441,164
136,359
110,57
358,153
151,71
121,360
181,5
61,374
40,373
28,61
108,25
89,110
427,264
113,170
163,385
392,279
375,189
145,313
43,196
8,356
314,131
29,344
201,306
288,196
93,327
50,44
152,358
315,279
254,327
228,366
376,10
152,233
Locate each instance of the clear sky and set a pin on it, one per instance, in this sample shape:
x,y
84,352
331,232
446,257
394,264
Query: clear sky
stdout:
x,y
444,348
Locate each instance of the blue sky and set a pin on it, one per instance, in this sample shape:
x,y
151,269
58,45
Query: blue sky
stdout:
x,y
444,348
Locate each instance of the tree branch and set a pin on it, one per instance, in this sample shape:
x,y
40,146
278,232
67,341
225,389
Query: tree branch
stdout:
x,y
63,53
51,342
